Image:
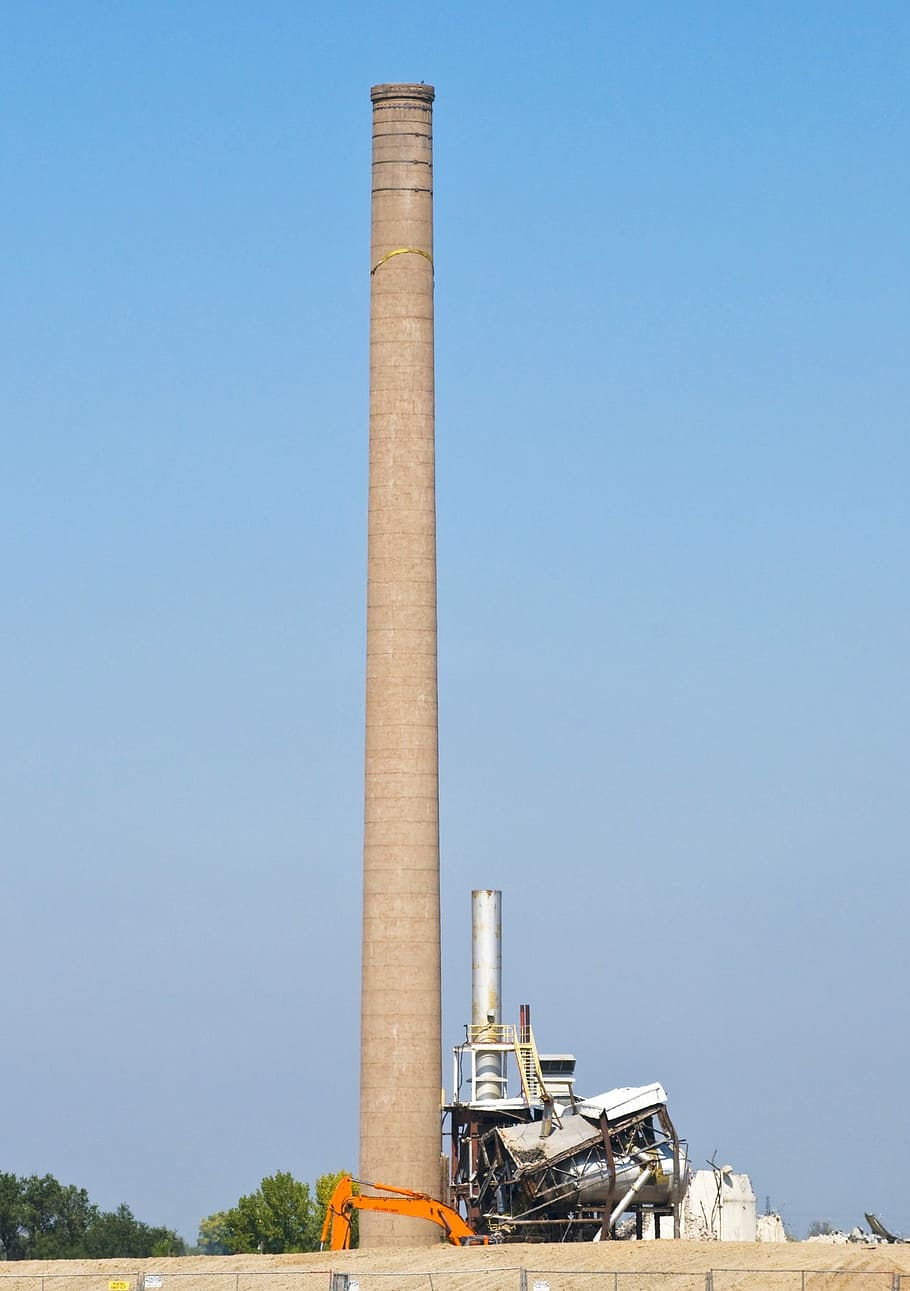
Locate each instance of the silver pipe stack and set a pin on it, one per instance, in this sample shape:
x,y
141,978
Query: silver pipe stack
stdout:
x,y
486,988
400,1071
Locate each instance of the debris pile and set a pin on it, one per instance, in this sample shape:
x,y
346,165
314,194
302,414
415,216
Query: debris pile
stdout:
x,y
856,1235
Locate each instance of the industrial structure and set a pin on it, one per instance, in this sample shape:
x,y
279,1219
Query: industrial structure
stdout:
x,y
400,1073
535,1161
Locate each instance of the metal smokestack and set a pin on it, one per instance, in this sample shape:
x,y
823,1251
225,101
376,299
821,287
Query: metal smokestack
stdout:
x,y
486,988
400,1062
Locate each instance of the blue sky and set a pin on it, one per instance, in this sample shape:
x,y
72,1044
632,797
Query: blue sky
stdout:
x,y
672,274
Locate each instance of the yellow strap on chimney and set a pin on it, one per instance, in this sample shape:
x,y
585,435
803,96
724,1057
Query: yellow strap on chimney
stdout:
x,y
402,251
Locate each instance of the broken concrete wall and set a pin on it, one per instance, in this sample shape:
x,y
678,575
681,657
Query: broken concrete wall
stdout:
x,y
719,1206
770,1228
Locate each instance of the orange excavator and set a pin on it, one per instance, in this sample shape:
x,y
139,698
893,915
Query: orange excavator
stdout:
x,y
336,1230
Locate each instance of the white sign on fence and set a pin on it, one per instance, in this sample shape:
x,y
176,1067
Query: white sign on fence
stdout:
x,y
540,1284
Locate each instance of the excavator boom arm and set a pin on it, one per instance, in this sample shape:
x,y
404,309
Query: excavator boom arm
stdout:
x,y
336,1230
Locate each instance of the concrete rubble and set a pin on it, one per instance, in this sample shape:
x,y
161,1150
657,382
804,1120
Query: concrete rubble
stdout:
x,y
856,1236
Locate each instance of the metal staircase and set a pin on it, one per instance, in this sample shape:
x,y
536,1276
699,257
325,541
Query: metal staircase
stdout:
x,y
532,1081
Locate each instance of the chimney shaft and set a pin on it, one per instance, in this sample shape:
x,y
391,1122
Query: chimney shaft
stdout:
x,y
486,989
400,1073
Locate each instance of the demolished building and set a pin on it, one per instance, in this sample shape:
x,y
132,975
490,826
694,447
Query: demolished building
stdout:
x,y
538,1162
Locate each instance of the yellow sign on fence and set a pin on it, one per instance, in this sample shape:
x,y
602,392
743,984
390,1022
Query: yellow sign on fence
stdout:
x,y
118,1285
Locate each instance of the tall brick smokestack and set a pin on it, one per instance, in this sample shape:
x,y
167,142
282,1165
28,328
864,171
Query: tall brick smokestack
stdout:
x,y
400,1057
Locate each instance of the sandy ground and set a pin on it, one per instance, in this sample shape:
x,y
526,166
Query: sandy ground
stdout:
x,y
614,1266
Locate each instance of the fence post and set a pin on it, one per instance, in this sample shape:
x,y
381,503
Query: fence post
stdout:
x,y
895,1282
522,1279
615,1281
802,1280
709,1280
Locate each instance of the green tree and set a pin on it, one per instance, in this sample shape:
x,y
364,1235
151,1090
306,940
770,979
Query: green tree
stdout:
x,y
213,1235
43,1219
54,1218
279,1216
11,1243
167,1241
118,1234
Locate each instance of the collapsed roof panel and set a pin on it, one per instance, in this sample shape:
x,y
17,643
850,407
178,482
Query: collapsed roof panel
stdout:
x,y
619,1103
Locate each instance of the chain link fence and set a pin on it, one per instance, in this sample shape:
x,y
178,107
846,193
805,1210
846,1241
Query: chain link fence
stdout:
x,y
132,1280
495,1279
804,1280
524,1279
